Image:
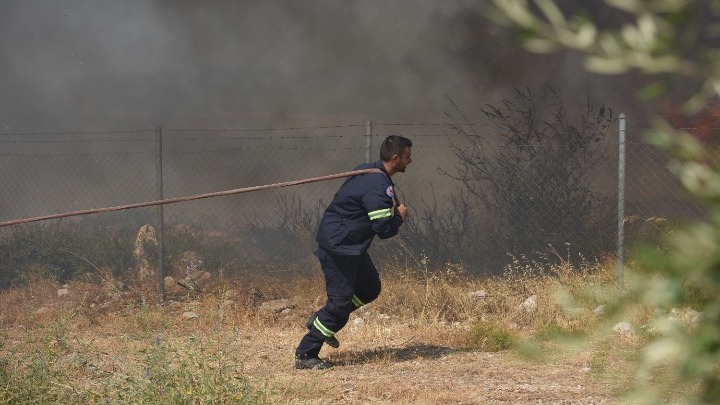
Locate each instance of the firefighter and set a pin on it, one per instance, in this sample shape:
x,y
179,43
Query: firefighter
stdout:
x,y
362,208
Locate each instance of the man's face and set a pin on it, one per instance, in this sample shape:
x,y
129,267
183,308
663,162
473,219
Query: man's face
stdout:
x,y
403,160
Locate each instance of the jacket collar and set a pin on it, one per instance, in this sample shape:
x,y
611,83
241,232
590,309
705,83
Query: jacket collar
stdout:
x,y
379,164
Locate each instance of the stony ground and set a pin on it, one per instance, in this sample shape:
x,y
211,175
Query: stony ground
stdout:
x,y
387,355
413,372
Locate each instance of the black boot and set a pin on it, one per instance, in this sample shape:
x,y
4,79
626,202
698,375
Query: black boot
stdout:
x,y
331,341
304,361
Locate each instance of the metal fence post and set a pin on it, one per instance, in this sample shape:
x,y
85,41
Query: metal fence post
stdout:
x,y
368,141
160,213
621,204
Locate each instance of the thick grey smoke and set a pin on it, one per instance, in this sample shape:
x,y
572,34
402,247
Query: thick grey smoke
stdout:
x,y
116,66
80,65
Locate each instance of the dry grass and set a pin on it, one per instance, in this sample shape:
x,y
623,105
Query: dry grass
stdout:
x,y
101,342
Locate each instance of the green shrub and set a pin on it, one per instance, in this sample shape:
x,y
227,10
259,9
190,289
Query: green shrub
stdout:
x,y
51,371
63,251
184,374
490,337
682,273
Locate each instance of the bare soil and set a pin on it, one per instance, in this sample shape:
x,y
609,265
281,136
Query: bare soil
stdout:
x,y
388,354
408,371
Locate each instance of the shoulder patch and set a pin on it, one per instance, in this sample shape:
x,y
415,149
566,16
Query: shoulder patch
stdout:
x,y
390,192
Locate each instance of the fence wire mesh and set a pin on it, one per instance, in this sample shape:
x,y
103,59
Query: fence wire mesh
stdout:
x,y
534,201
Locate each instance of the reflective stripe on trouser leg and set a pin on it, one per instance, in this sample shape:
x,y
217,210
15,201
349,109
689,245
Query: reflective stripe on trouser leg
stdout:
x,y
356,301
324,330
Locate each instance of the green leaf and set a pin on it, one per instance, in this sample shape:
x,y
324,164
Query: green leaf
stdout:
x,y
631,6
630,35
700,180
662,135
652,91
611,44
539,45
517,11
604,65
662,64
647,27
688,147
552,12
586,35
662,350
667,6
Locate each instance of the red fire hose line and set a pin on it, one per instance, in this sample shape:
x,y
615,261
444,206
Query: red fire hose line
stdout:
x,y
190,198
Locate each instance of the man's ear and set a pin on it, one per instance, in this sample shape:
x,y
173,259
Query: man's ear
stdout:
x,y
395,158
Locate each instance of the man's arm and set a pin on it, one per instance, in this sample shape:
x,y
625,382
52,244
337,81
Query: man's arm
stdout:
x,y
379,204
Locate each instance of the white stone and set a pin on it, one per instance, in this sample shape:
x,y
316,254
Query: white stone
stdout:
x,y
529,305
42,310
624,328
63,292
599,311
478,294
277,306
175,305
189,315
693,316
688,316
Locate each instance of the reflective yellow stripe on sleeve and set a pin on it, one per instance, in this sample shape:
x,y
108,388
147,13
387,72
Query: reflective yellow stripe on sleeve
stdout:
x,y
384,213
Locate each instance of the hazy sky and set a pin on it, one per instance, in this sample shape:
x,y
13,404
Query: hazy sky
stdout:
x,y
85,65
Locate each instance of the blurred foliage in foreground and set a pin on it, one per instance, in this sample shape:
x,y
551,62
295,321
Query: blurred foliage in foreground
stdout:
x,y
667,40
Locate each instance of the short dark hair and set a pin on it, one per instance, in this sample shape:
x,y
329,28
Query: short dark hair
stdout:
x,y
393,145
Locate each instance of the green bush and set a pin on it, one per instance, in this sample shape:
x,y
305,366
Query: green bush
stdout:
x,y
184,374
679,363
490,337
188,372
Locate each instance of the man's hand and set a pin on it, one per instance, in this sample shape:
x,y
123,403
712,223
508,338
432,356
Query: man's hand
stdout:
x,y
402,211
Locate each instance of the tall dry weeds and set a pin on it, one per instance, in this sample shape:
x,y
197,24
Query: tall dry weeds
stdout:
x,y
419,311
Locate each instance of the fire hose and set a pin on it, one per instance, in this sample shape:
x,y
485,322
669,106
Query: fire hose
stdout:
x,y
193,197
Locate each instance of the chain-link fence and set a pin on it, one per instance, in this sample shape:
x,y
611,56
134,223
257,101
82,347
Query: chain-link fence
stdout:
x,y
474,197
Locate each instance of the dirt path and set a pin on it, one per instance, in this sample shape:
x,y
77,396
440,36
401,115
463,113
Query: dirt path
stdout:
x,y
406,357
416,373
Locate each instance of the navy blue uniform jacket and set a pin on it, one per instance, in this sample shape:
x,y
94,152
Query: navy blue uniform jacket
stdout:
x,y
362,208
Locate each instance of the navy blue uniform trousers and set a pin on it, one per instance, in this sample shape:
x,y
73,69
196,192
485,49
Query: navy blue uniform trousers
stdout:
x,y
350,282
